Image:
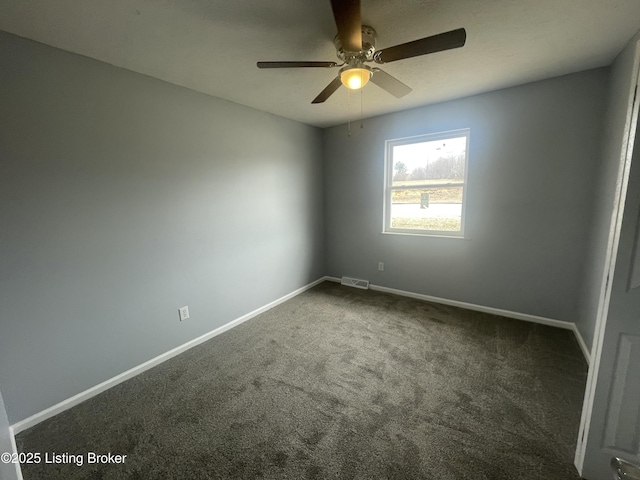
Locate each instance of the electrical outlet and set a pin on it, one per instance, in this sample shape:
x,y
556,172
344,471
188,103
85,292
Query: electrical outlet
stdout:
x,y
183,313
381,266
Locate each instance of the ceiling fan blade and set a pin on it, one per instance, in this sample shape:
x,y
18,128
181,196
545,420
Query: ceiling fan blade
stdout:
x,y
347,16
435,43
328,91
296,64
389,83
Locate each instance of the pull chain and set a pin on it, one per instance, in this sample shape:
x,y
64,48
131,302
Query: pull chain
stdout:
x,y
361,122
348,112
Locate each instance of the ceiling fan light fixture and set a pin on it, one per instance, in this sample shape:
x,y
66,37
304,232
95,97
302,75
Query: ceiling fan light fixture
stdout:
x,y
356,44
354,78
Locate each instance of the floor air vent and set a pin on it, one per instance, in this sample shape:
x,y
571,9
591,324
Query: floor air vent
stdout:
x,y
355,282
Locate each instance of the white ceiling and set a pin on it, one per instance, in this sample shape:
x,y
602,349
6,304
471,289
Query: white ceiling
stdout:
x,y
212,46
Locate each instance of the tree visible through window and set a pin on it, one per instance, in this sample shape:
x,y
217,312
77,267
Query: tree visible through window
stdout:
x,y
425,184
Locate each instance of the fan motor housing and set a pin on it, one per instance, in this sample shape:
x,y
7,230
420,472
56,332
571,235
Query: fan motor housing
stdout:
x,y
369,37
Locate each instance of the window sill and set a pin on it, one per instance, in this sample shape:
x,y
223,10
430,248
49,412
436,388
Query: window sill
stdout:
x,y
429,235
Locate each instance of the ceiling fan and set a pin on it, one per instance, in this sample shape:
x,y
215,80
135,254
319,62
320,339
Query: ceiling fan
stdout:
x,y
356,44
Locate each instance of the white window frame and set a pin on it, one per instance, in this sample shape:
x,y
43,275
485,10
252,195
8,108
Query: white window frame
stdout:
x,y
388,183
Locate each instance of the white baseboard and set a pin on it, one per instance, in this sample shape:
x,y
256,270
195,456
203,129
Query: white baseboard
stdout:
x,y
494,311
583,345
33,420
112,382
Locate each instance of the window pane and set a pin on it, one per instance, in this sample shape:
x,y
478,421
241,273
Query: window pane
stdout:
x,y
440,161
427,209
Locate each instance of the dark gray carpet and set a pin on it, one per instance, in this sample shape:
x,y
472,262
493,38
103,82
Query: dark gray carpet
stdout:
x,y
339,383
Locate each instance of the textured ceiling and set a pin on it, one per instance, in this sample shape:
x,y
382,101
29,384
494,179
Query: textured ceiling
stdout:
x,y
212,46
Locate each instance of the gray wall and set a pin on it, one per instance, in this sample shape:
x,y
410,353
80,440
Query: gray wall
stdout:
x,y
612,133
123,198
7,470
534,152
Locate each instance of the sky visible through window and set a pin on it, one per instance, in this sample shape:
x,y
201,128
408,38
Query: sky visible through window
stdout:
x,y
416,155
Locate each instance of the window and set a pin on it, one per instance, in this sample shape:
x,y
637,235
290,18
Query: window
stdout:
x,y
425,183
